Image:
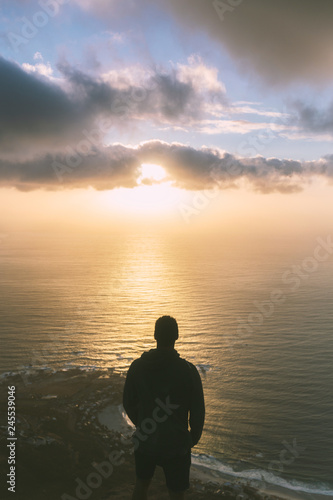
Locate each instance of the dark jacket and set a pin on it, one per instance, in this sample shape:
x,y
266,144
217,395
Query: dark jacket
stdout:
x,y
162,394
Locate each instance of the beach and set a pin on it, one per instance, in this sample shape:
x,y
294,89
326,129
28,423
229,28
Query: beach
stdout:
x,y
74,443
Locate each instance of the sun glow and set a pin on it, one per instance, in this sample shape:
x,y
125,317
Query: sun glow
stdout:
x,y
151,173
154,195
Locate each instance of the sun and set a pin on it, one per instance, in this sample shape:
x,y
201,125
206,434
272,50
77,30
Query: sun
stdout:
x,y
154,195
151,172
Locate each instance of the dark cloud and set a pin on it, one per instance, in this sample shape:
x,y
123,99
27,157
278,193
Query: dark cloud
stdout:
x,y
33,108
310,118
282,41
187,167
36,111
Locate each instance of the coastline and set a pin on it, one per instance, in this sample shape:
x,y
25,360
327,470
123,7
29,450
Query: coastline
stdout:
x,y
72,440
206,475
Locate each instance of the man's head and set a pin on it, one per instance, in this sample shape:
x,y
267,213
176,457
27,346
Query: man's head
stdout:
x,y
166,332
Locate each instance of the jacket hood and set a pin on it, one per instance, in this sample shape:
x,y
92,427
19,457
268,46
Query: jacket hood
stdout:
x,y
159,358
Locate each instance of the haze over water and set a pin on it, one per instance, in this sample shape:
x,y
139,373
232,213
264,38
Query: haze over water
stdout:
x,y
75,300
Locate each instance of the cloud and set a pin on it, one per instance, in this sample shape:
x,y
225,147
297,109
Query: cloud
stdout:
x,y
40,68
310,118
33,109
280,41
38,110
238,126
187,168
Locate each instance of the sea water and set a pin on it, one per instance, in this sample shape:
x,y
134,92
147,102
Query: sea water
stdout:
x,y
259,330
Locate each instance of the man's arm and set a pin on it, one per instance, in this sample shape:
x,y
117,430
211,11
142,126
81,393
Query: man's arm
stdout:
x,y
130,397
197,407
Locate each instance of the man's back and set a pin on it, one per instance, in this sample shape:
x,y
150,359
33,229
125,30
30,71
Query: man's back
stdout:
x,y
161,391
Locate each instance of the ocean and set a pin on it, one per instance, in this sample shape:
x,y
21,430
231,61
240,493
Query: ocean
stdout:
x,y
255,316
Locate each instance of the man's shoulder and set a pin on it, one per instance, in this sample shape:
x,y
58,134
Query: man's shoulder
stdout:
x,y
186,362
135,364
136,361
189,366
139,363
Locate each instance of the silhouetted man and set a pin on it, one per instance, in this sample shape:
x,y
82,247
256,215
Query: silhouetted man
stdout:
x,y
162,394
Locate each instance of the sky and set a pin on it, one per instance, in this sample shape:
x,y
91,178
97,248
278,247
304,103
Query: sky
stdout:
x,y
173,113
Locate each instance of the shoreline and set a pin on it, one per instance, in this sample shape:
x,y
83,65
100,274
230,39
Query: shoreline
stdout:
x,y
69,423
205,474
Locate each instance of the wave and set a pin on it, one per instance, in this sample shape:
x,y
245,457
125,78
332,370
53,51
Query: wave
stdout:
x,y
28,371
260,477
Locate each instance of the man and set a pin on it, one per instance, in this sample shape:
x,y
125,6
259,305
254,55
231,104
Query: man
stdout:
x,y
162,394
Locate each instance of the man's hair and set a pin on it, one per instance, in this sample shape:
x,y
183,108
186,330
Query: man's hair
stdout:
x,y
166,331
